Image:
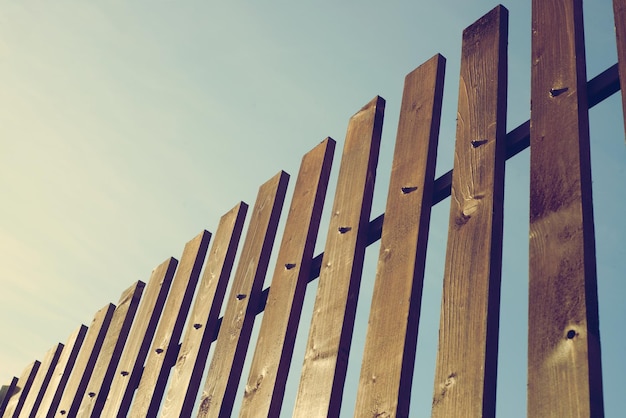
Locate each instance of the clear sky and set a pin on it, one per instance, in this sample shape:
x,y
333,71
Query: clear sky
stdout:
x,y
128,127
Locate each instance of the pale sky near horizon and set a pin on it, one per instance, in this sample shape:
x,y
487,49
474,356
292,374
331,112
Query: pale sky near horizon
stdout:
x,y
128,127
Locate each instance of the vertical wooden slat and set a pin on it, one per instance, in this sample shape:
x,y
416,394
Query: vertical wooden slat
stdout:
x,y
128,372
15,404
465,376
81,372
224,373
330,334
264,391
8,392
62,371
394,314
187,373
38,388
619,12
165,345
564,370
112,347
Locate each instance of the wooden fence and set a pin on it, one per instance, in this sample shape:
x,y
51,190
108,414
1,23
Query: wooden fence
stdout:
x,y
139,358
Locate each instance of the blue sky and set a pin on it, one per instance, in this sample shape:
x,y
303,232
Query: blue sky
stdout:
x,y
128,127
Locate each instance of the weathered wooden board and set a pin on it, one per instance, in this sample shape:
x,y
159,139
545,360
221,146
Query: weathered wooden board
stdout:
x,y
232,342
165,345
20,393
465,375
38,388
265,389
394,314
129,368
201,326
85,362
62,371
564,371
330,335
8,391
619,11
100,381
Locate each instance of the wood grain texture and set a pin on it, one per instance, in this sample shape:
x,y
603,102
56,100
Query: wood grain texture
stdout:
x,y
129,368
465,375
264,391
564,370
619,12
221,383
165,345
192,356
20,393
100,381
61,373
330,334
394,314
85,362
38,388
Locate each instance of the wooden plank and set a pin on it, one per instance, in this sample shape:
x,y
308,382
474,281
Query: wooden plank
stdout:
x,y
220,386
619,12
192,356
100,381
40,384
265,389
130,366
564,367
330,335
165,345
465,375
85,362
394,314
62,371
7,392
24,383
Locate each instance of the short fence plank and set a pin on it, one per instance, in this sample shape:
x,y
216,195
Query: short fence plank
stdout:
x,y
8,392
194,350
330,334
619,12
129,368
62,371
272,356
224,373
38,388
112,347
24,383
394,314
465,375
165,345
564,367
85,362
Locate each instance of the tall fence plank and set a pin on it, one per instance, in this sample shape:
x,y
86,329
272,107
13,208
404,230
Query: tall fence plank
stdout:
x,y
394,314
619,14
165,345
564,370
24,383
330,334
100,381
465,375
85,362
38,388
224,373
187,373
128,372
265,389
62,371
